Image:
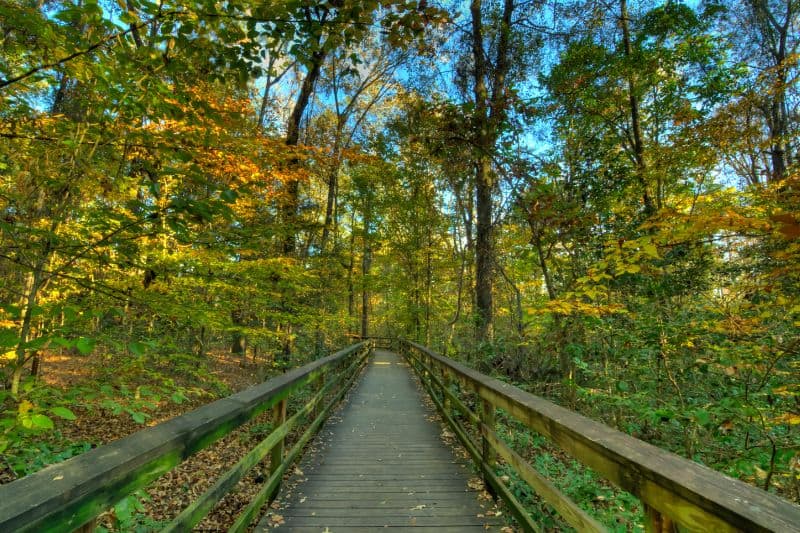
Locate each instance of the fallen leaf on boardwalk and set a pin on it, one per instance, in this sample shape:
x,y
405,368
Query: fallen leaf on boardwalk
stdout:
x,y
475,483
418,507
303,499
275,520
298,472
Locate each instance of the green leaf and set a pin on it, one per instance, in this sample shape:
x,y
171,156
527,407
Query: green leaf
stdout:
x,y
123,511
229,195
622,386
62,342
702,417
137,348
41,422
63,412
178,397
651,250
138,417
9,337
85,345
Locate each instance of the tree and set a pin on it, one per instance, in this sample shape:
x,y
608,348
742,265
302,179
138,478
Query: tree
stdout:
x,y
491,95
764,35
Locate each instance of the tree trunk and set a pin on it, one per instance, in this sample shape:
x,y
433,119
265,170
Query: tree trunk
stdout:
x,y
774,30
483,183
490,113
239,340
333,186
428,285
633,101
32,285
292,139
366,264
484,252
351,290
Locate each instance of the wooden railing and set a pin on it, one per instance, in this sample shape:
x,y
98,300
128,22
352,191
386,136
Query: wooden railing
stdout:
x,y
386,343
70,495
678,494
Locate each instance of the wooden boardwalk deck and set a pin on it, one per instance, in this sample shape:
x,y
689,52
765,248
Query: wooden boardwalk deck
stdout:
x,y
380,463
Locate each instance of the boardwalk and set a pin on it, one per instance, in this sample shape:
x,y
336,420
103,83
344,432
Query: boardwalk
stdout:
x,y
381,464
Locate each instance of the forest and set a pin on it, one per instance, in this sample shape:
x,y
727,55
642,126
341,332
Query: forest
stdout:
x,y
595,200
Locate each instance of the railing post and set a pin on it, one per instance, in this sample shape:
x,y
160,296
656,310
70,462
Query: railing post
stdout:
x,y
446,382
276,455
657,522
488,454
320,384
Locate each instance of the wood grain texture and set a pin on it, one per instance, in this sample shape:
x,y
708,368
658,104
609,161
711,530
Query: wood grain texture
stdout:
x,y
380,463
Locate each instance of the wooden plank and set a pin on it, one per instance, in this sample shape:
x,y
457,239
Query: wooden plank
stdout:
x,y
416,529
65,496
395,461
386,521
393,501
381,511
409,490
692,494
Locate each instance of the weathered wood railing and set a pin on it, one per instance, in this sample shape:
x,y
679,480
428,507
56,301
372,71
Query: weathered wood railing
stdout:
x,y
677,494
70,495
377,342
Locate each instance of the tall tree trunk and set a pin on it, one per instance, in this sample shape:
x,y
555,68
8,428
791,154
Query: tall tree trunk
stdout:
x,y
484,252
428,285
490,113
774,29
366,264
333,185
462,254
292,139
351,268
633,102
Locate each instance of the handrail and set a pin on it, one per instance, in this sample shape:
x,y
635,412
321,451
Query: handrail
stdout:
x,y
677,493
69,495
378,342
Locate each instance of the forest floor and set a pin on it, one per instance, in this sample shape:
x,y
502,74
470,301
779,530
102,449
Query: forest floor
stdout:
x,y
151,509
